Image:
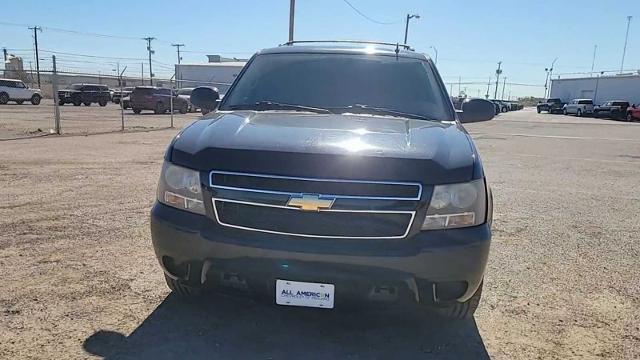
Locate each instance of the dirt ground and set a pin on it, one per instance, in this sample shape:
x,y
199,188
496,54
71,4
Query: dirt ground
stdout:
x,y
80,279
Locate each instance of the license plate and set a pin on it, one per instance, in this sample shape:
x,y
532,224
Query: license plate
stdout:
x,y
294,293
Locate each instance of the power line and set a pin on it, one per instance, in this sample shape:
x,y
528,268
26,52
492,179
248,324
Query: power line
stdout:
x,y
369,18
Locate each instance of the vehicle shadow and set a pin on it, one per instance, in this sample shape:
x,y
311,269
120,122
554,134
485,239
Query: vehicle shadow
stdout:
x,y
231,328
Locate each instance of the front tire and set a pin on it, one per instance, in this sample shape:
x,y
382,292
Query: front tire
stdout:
x,y
565,111
184,109
87,104
538,109
137,111
35,99
102,103
464,310
180,288
579,113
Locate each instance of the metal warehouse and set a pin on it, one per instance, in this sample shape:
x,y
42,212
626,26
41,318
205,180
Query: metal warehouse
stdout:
x,y
598,88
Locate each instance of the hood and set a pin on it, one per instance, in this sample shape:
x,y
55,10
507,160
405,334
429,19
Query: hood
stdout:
x,y
328,145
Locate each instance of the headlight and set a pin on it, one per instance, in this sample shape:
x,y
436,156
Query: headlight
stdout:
x,y
180,187
456,205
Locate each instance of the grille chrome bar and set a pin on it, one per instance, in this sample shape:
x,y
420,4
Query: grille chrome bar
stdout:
x,y
335,196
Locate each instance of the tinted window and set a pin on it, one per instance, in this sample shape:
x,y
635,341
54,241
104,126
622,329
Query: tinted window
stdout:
x,y
585,102
143,91
340,80
620,103
6,83
76,87
19,85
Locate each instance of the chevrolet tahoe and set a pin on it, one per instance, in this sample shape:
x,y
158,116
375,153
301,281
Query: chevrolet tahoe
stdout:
x,y
330,174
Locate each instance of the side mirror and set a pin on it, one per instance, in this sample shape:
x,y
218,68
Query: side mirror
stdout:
x,y
205,97
475,110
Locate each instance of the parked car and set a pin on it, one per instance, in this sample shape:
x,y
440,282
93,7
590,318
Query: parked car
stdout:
x,y
552,106
18,91
86,94
126,102
314,194
579,107
633,113
615,109
118,95
497,105
156,99
185,93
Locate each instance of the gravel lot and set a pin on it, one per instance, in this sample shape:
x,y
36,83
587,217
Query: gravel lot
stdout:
x,y
81,280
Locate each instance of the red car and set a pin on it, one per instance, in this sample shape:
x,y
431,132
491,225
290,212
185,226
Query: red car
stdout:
x,y
633,113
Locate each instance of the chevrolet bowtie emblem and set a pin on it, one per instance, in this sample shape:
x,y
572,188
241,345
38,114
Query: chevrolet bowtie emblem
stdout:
x,y
309,202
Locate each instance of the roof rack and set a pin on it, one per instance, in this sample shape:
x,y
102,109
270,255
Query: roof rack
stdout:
x,y
405,46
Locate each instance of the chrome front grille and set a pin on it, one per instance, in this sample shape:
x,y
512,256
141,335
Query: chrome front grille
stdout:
x,y
358,210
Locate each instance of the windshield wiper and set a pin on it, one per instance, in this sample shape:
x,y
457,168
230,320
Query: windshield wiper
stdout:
x,y
273,105
366,109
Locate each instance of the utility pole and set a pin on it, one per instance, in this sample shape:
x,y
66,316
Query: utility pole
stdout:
x,y
406,27
626,37
498,72
35,38
4,51
593,61
488,86
178,46
504,83
149,39
548,70
142,73
54,88
292,12
459,84
436,51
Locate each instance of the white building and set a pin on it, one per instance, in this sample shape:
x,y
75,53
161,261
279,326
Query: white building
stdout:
x,y
218,74
598,88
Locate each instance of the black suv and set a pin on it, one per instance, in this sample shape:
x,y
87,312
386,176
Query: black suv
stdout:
x,y
86,94
552,106
329,174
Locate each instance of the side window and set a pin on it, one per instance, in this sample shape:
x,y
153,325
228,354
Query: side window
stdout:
x,y
3,83
20,85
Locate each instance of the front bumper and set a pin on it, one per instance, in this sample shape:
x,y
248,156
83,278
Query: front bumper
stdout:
x,y
199,251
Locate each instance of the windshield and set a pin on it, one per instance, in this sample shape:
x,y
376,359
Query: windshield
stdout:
x,y
340,82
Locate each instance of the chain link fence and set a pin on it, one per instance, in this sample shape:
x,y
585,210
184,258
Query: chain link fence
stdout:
x,y
94,103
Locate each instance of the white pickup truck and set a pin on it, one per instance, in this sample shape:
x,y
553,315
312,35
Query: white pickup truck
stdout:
x,y
16,90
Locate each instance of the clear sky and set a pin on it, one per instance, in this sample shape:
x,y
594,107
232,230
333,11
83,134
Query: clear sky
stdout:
x,y
471,36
